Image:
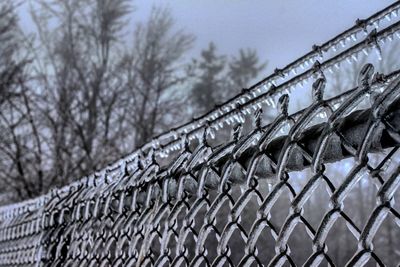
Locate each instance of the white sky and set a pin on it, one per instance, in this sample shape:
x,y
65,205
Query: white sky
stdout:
x,y
279,30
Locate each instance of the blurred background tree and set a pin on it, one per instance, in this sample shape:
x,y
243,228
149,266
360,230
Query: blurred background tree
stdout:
x,y
76,94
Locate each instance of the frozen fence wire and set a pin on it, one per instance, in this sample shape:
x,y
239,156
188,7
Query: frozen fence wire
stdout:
x,y
346,46
165,215
220,206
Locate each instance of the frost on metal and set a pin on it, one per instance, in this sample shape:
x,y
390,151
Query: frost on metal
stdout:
x,y
218,206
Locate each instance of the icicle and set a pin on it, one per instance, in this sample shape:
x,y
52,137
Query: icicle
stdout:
x,y
354,37
348,60
211,134
364,50
343,43
273,103
337,65
334,48
395,13
388,17
269,101
236,118
378,52
354,57
376,23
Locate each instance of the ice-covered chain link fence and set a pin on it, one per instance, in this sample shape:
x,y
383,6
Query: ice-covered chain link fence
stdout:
x,y
119,223
147,214
264,91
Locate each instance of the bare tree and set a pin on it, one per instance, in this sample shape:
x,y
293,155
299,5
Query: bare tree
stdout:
x,y
154,73
10,65
88,98
58,115
20,144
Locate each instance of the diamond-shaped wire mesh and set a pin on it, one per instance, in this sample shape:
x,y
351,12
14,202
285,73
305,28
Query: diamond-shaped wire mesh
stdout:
x,y
321,193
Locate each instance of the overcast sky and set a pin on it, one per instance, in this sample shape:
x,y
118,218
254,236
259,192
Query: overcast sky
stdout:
x,y
279,30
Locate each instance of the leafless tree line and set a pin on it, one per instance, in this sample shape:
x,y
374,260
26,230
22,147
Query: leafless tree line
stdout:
x,y
81,90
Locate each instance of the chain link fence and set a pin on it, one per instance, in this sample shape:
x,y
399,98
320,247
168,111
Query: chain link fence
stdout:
x,y
313,188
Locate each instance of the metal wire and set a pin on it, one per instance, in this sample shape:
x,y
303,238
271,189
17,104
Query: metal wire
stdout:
x,y
261,92
148,216
195,210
